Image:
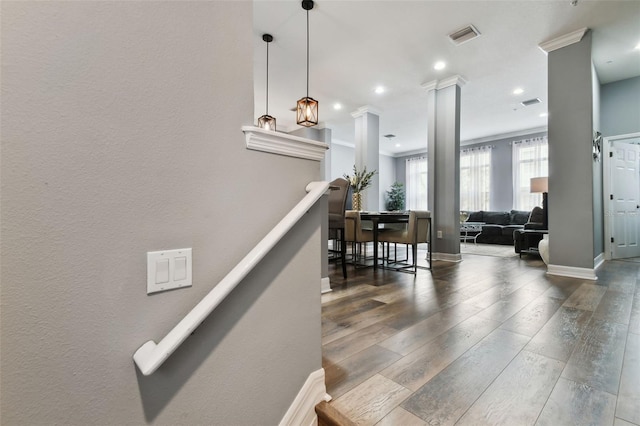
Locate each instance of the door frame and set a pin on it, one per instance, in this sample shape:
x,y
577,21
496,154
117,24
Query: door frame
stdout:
x,y
606,188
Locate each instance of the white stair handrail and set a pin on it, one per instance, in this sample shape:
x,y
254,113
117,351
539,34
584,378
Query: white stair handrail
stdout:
x,y
150,355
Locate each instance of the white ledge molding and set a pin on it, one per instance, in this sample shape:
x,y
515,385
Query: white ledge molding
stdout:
x,y
284,144
563,41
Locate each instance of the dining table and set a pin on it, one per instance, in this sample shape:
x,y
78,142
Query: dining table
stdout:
x,y
381,218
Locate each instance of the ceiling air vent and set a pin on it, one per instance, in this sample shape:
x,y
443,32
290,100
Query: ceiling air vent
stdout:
x,y
464,34
531,102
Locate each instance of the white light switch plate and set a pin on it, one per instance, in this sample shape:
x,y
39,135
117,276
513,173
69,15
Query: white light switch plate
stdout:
x,y
168,269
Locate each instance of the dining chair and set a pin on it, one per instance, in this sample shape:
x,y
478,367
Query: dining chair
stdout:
x,y
417,231
356,234
337,206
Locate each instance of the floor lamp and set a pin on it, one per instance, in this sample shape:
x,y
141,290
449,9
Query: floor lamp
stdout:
x,y
541,184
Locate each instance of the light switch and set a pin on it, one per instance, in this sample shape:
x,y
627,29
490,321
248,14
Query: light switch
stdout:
x,y
162,271
168,269
181,269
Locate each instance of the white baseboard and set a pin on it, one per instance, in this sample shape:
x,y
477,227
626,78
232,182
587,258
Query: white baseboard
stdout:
x,y
573,272
448,257
598,261
325,285
302,411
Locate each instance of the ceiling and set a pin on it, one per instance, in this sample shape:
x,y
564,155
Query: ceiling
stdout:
x,y
356,46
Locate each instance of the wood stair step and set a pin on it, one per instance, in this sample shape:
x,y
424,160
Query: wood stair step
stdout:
x,y
329,416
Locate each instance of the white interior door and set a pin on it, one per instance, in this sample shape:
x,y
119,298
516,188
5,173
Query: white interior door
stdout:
x,y
625,202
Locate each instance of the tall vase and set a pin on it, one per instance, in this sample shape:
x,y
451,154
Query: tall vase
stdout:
x,y
543,248
356,201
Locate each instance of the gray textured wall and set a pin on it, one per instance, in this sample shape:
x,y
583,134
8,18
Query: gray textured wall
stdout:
x,y
620,108
342,160
571,223
121,135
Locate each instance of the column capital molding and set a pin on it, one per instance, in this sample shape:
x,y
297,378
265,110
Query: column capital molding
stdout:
x,y
456,80
563,41
366,109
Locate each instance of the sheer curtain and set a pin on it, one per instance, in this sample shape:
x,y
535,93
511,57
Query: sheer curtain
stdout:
x,y
475,178
417,183
530,159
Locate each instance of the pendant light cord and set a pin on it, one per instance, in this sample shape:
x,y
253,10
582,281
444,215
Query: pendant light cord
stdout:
x,y
267,101
307,53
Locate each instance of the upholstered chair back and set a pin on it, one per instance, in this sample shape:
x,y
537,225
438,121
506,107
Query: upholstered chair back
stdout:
x,y
338,202
353,228
418,229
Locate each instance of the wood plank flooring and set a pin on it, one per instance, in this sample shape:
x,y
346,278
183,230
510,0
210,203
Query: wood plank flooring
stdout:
x,y
487,341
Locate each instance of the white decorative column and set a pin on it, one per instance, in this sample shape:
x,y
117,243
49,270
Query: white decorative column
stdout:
x,y
367,151
443,142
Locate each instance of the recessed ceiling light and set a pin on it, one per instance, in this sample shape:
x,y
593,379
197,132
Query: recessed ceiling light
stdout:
x,y
337,106
440,65
637,46
379,89
544,114
518,91
398,145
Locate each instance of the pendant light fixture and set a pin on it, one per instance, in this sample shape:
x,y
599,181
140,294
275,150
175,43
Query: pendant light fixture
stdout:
x,y
307,108
267,122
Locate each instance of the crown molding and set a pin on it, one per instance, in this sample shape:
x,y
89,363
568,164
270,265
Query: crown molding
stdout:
x,y
258,139
499,136
432,85
563,41
366,109
456,80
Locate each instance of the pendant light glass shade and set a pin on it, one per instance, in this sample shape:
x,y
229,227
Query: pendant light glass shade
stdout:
x,y
307,108
266,121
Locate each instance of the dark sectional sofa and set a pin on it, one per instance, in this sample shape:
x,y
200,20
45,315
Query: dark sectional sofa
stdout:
x,y
499,225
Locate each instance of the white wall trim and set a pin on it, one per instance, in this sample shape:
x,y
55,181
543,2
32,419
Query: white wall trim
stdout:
x,y
563,41
509,135
280,143
302,411
441,84
431,85
573,272
598,261
325,285
367,109
447,257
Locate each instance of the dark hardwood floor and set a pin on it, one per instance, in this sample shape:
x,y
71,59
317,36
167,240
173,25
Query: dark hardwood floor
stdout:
x,y
489,340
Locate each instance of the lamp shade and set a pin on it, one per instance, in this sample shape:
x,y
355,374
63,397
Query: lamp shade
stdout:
x,y
539,184
267,122
307,112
